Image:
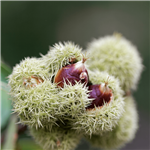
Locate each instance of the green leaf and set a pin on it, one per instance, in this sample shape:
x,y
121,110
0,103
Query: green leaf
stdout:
x,y
10,141
5,104
28,144
5,71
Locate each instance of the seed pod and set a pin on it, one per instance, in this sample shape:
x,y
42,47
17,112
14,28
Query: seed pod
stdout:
x,y
72,73
123,133
112,54
57,138
29,73
105,117
101,94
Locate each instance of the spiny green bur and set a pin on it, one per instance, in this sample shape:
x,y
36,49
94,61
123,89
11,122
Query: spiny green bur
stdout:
x,y
59,55
117,56
24,70
74,100
35,106
56,139
101,119
123,133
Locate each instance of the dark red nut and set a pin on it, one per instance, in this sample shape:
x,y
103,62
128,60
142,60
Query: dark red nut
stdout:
x,y
101,94
72,73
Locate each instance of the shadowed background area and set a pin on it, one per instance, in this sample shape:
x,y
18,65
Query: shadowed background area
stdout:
x,y
29,28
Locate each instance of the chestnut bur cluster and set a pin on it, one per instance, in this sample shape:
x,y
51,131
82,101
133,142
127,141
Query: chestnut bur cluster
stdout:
x,y
63,96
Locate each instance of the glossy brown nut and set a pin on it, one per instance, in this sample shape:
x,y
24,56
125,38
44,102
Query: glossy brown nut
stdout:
x,y
101,94
72,73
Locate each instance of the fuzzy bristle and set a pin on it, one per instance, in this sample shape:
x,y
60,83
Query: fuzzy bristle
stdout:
x,y
123,133
117,56
60,55
56,139
96,120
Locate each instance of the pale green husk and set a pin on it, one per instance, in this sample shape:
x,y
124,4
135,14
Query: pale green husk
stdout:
x,y
34,105
37,106
56,139
26,68
123,133
101,119
59,55
73,100
117,56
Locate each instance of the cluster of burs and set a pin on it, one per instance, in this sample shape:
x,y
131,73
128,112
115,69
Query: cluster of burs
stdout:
x,y
70,93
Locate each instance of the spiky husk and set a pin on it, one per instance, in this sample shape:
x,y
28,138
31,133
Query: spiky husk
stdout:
x,y
24,70
123,133
56,139
117,56
36,106
60,54
73,100
101,119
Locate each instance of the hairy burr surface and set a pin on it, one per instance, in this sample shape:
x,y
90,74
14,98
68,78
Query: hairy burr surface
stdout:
x,y
123,133
56,139
104,118
117,56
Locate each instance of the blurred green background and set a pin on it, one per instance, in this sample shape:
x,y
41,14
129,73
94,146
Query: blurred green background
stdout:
x,y
29,28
